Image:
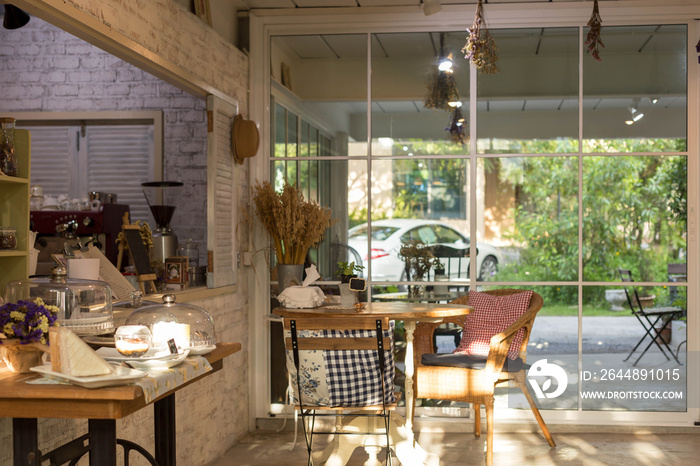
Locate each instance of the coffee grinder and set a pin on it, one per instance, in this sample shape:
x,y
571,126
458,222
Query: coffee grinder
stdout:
x,y
164,239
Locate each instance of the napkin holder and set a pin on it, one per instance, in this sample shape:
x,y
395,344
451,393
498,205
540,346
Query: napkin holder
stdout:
x,y
304,296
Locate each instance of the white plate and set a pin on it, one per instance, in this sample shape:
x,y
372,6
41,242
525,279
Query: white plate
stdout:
x,y
201,350
121,376
111,354
157,364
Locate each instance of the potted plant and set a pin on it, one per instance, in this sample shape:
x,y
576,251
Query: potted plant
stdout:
x,y
419,259
347,270
294,225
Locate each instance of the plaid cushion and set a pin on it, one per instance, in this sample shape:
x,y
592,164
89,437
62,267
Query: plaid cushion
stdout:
x,y
490,316
343,378
353,376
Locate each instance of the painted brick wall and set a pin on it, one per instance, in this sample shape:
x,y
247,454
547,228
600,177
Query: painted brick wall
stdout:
x,y
51,71
43,68
178,36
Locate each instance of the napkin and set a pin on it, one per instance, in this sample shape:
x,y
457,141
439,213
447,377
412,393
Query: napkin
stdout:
x,y
304,296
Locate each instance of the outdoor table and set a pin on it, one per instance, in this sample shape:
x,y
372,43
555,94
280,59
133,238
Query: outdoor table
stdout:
x,y
25,403
410,313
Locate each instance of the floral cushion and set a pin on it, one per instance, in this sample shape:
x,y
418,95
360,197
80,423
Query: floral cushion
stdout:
x,y
490,316
342,378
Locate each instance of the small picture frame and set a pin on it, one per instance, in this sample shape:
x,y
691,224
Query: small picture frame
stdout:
x,y
176,270
358,284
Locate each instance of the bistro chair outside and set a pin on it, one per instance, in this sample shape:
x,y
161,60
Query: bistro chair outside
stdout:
x,y
344,341
476,384
650,319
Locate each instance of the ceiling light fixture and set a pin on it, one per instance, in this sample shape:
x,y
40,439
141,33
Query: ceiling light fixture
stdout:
x,y
14,17
635,115
430,7
446,64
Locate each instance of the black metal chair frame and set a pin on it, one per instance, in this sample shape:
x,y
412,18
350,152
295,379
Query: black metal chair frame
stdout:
x,y
71,452
649,320
306,411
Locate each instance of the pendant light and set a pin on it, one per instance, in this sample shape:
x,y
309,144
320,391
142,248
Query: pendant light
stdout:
x,y
14,17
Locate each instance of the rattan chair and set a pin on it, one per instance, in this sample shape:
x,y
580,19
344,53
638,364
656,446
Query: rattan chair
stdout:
x,y
476,385
364,338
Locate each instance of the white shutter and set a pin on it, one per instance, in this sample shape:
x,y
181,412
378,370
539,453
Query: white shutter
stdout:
x,y
110,159
53,160
119,159
222,194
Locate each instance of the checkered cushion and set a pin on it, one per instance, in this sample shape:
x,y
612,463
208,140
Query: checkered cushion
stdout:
x,y
343,378
490,316
353,378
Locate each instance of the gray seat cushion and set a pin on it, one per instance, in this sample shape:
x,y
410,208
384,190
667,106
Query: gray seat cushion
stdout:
x,y
468,362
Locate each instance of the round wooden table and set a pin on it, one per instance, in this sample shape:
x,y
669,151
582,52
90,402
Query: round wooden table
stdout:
x,y
410,313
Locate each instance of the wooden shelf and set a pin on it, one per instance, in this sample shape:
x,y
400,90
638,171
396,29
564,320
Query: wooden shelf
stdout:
x,y
14,211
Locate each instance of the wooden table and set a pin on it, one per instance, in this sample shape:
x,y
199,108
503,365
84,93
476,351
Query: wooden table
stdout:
x,y
410,314
427,297
101,406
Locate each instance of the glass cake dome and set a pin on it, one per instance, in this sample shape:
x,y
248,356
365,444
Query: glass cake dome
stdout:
x,y
85,306
196,322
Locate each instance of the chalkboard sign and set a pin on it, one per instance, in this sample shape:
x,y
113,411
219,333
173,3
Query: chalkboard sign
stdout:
x,y
139,255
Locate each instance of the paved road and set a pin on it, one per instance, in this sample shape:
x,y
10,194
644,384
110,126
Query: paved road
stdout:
x,y
601,334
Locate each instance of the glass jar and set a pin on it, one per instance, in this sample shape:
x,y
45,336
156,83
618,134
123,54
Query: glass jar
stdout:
x,y
8,238
8,160
190,250
132,341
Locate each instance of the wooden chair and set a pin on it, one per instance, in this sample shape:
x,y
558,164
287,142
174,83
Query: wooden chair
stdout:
x,y
476,384
366,336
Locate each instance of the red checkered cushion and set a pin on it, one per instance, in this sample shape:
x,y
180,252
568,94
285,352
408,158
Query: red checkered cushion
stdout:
x,y
490,316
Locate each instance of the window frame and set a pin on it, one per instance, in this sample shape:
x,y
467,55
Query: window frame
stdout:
x,y
528,16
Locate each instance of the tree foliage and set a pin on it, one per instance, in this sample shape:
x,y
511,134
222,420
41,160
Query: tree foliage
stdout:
x,y
633,209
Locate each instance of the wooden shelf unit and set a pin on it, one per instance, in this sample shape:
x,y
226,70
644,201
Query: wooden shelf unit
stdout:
x,y
14,211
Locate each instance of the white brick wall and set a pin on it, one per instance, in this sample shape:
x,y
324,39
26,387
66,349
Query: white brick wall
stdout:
x,y
45,69
81,77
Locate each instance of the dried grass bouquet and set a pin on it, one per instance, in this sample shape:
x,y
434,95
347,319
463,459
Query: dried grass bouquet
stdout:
x,y
294,224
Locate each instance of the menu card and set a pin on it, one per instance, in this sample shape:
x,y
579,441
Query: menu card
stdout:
x,y
121,287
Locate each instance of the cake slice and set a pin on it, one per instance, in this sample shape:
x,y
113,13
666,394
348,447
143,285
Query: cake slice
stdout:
x,y
72,356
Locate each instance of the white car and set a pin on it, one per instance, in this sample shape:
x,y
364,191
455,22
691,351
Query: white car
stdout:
x,y
388,235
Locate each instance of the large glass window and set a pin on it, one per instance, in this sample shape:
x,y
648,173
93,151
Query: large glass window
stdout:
x,y
578,169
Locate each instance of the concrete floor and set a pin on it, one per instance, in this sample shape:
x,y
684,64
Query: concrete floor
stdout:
x,y
522,449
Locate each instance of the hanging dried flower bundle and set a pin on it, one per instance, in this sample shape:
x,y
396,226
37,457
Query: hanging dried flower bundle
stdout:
x,y
442,89
456,128
481,49
593,37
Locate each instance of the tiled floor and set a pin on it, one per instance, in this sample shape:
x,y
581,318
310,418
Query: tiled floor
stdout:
x,y
522,449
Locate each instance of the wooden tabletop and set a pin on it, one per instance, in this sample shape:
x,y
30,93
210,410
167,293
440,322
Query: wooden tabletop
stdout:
x,y
398,311
22,400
